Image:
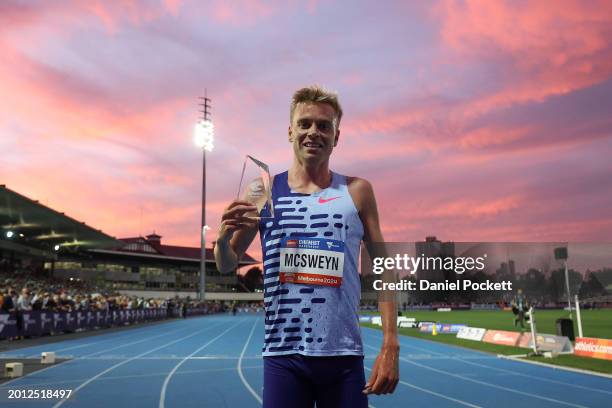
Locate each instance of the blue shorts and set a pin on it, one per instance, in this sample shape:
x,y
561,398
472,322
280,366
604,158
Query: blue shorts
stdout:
x,y
299,381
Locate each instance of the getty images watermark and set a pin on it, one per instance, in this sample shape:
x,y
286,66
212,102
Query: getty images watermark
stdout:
x,y
460,267
428,264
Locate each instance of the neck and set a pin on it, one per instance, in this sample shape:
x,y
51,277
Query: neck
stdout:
x,y
307,178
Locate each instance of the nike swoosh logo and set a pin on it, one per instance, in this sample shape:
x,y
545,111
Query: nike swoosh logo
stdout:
x,y
323,200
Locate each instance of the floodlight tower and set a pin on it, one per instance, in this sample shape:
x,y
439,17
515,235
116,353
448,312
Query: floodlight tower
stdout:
x,y
203,138
561,255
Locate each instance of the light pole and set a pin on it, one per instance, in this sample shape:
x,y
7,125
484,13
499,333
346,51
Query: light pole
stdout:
x,y
561,254
203,137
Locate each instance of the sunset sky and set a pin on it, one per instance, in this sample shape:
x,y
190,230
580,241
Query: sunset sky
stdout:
x,y
474,120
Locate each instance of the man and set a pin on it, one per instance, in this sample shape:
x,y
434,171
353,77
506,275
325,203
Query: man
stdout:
x,y
7,303
24,303
519,307
313,351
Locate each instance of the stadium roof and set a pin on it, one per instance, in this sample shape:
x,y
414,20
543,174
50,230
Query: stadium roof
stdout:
x,y
26,222
152,247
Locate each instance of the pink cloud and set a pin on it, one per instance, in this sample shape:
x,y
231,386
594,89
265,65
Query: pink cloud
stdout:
x,y
550,48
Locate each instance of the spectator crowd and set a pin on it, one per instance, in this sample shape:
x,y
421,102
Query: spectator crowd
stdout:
x,y
31,292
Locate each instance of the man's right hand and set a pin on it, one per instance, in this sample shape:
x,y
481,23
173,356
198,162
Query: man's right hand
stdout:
x,y
234,219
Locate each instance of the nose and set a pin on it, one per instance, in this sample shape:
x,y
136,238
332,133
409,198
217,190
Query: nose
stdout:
x,y
313,130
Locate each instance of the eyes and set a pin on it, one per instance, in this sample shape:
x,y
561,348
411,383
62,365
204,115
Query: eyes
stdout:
x,y
324,126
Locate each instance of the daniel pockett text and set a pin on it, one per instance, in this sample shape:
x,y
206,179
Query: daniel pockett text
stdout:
x,y
414,265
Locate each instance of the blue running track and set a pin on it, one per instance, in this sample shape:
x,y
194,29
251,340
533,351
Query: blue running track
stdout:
x,y
215,361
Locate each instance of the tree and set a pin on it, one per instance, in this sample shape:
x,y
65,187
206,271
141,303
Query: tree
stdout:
x,y
556,284
591,287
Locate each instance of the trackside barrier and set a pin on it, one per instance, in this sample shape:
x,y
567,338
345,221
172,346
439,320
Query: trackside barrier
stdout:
x,y
471,333
404,321
546,342
441,328
593,347
38,323
505,338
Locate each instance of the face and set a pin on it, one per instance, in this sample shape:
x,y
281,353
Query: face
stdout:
x,y
313,131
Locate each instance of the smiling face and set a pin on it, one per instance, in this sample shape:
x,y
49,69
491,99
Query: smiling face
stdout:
x,y
313,132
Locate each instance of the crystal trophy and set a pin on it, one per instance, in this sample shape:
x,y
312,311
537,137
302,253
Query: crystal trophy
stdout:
x,y
256,187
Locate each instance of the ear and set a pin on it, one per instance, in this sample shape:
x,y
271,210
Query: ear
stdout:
x,y
289,134
337,138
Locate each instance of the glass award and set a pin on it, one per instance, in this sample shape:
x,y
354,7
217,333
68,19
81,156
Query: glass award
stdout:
x,y
256,187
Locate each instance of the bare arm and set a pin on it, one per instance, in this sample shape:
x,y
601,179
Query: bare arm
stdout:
x,y
385,373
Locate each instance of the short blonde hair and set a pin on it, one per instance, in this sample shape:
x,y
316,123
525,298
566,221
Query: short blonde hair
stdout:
x,y
316,94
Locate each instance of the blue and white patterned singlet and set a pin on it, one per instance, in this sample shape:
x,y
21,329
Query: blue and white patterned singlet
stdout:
x,y
311,319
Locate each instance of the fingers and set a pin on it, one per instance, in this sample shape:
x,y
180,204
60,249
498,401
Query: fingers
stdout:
x,y
239,202
368,386
236,224
381,383
237,210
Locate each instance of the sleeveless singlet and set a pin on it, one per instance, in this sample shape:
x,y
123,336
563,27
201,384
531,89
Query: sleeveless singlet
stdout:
x,y
313,238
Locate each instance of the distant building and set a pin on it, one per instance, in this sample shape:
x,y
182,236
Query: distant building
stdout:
x,y
37,239
144,263
433,248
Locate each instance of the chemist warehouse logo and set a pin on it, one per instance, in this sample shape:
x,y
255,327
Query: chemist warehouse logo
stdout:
x,y
292,243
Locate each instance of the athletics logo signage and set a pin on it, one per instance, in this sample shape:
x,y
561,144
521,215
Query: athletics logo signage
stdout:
x,y
506,338
592,347
311,261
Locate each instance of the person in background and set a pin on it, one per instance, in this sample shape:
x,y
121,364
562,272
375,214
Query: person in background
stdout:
x,y
519,308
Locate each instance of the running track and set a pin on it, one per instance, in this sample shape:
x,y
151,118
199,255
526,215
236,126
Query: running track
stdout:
x,y
215,361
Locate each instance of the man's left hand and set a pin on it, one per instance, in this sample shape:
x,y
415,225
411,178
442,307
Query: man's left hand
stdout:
x,y
385,373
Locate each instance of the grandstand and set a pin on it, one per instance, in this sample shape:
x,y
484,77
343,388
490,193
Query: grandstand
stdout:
x,y
38,239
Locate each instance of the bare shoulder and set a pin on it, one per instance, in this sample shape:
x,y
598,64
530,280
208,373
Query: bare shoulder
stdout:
x,y
361,191
359,185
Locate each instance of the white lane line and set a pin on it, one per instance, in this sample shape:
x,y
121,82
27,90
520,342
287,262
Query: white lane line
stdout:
x,y
86,356
520,359
129,344
239,366
425,390
103,337
162,396
486,383
123,377
534,377
59,403
122,356
33,372
502,369
106,337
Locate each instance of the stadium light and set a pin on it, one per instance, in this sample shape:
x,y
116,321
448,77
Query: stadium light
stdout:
x,y
204,133
56,247
9,234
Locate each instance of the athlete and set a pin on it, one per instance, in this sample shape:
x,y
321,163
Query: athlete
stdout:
x,y
313,352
